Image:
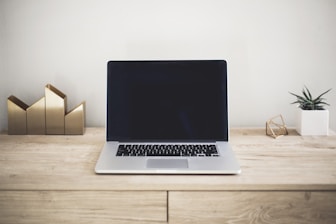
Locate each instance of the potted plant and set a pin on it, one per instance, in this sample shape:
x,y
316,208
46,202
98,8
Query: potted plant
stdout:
x,y
313,119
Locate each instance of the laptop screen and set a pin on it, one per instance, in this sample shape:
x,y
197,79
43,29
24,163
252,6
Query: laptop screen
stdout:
x,y
167,101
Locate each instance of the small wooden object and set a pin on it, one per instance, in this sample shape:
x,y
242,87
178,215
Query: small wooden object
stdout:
x,y
276,127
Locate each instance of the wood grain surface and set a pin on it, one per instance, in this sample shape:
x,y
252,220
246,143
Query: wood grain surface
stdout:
x,y
41,207
252,207
67,162
51,179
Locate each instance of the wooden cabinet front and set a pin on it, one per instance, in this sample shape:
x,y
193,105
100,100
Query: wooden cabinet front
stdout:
x,y
41,207
252,207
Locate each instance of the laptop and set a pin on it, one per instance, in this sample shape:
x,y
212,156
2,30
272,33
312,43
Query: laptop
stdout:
x,y
167,117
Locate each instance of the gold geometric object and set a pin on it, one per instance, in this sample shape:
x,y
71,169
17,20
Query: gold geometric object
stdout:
x,y
75,120
46,116
55,102
36,118
276,127
17,116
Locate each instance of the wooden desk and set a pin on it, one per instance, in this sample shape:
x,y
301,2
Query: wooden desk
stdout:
x,y
51,179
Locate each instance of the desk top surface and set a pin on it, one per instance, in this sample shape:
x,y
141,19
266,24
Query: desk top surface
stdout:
x,y
50,162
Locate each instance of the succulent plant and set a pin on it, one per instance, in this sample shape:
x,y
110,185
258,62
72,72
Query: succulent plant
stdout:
x,y
307,102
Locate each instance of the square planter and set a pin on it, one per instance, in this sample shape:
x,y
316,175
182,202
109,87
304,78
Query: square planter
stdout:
x,y
313,122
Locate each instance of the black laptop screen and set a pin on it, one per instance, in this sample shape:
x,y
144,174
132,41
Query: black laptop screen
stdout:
x,y
167,101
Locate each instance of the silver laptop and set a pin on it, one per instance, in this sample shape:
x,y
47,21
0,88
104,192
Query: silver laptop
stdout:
x,y
167,117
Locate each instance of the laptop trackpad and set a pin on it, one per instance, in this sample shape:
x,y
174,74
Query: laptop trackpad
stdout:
x,y
167,163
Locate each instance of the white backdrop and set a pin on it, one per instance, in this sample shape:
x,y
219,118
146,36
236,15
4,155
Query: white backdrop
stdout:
x,y
271,47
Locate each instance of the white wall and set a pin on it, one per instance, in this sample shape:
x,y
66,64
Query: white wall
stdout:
x,y
271,46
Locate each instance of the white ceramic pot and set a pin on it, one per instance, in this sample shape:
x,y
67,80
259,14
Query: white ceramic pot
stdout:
x,y
313,122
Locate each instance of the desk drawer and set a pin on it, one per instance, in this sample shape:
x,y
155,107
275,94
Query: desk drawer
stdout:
x,y
252,207
83,207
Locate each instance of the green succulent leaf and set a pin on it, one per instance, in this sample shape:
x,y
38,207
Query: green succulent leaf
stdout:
x,y
305,94
323,94
307,102
310,96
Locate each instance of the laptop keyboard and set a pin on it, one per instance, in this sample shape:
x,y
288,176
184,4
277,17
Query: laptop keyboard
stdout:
x,y
167,150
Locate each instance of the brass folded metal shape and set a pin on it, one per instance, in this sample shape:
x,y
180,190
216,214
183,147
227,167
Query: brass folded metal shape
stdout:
x,y
36,118
17,116
75,120
55,104
46,116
